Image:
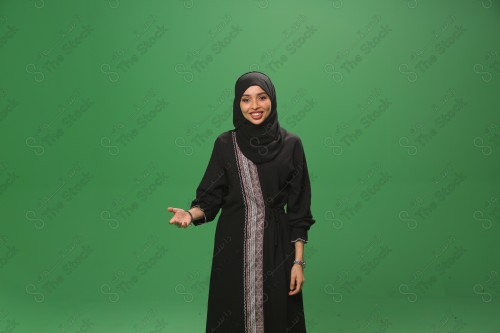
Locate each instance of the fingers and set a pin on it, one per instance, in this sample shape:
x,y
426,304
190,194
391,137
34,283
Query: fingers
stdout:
x,y
176,219
296,290
180,221
183,224
296,283
173,209
180,224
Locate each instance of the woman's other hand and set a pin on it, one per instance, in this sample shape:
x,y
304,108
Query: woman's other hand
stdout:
x,y
181,218
297,280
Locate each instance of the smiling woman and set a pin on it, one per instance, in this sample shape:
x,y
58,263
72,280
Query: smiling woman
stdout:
x,y
255,170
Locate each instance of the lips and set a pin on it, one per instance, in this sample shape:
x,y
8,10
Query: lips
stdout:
x,y
256,115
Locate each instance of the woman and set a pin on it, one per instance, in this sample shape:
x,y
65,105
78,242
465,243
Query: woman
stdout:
x,y
254,171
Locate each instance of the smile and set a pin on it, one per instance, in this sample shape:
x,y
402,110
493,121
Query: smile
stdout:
x,y
256,115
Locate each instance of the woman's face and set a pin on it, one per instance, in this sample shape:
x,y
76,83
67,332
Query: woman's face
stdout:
x,y
255,105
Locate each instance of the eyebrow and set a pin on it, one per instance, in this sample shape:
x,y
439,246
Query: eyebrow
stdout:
x,y
257,94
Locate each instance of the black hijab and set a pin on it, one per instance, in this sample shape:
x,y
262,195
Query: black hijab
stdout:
x,y
259,143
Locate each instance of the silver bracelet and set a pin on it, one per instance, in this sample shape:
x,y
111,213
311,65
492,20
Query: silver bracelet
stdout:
x,y
300,262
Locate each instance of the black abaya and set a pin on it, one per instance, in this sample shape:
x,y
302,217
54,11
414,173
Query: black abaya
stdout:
x,y
254,240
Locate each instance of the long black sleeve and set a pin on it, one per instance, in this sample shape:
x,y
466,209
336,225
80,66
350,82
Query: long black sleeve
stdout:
x,y
299,197
212,188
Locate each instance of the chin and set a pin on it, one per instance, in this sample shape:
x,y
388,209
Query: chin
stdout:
x,y
256,122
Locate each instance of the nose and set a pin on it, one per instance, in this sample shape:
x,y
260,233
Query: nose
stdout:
x,y
255,104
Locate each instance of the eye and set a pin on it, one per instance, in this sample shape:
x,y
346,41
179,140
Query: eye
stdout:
x,y
244,100
263,97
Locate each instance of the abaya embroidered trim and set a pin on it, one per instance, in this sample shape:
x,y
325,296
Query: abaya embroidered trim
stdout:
x,y
253,281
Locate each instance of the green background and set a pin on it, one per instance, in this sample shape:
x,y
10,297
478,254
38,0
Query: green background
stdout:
x,y
109,111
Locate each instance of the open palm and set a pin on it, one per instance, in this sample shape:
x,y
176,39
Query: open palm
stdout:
x,y
181,218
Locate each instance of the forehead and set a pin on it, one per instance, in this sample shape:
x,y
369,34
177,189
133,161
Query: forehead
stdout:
x,y
254,90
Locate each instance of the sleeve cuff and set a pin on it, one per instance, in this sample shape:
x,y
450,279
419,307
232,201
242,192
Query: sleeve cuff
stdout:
x,y
299,234
299,239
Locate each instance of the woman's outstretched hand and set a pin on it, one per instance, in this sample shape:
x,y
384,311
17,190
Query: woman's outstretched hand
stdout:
x,y
181,218
297,280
